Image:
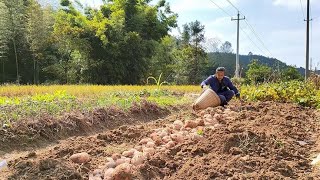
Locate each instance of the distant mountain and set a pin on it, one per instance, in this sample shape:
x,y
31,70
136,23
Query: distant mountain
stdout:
x,y
303,70
228,60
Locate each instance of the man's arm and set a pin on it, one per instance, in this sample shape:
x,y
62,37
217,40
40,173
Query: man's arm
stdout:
x,y
232,87
207,81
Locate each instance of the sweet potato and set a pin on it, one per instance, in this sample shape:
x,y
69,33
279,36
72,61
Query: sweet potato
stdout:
x,y
92,177
170,144
162,133
120,161
128,153
166,139
200,122
150,145
123,172
145,140
196,137
190,124
147,152
178,137
178,124
207,116
97,172
138,148
80,158
108,173
218,117
116,156
137,159
111,164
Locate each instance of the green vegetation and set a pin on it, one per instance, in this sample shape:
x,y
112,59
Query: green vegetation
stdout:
x,y
260,73
54,104
120,42
303,93
20,102
158,81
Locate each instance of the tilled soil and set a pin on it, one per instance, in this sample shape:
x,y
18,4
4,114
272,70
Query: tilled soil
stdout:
x,y
264,140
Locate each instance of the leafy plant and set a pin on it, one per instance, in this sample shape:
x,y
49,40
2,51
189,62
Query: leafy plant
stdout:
x,y
157,81
303,93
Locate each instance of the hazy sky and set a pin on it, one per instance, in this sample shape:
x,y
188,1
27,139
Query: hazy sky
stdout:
x,y
279,23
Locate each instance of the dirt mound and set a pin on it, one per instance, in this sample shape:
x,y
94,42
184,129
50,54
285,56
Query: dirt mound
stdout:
x,y
45,168
27,134
99,147
264,140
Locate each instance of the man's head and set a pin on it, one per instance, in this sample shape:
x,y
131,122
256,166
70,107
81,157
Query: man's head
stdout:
x,y
220,72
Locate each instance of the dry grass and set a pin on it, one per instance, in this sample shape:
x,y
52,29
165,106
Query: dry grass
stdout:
x,y
85,90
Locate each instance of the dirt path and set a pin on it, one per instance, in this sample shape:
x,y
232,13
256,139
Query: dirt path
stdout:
x,y
263,141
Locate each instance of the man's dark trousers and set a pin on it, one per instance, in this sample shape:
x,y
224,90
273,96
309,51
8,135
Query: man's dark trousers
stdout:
x,y
225,96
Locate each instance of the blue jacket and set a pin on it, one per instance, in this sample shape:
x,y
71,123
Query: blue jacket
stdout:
x,y
215,85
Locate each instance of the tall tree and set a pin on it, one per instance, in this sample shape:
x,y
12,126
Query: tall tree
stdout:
x,y
197,36
212,45
16,10
226,47
192,39
37,35
4,37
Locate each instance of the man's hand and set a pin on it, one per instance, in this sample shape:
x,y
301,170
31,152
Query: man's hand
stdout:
x,y
204,87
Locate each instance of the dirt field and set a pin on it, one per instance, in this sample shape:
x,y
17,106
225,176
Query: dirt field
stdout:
x,y
263,140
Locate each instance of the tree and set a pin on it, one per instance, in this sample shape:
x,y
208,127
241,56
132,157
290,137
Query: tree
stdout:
x,y
16,21
37,35
291,73
163,58
113,44
212,45
258,73
4,36
195,57
226,47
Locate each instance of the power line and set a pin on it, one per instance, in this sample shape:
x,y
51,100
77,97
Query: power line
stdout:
x,y
233,5
253,43
247,22
302,11
257,36
252,29
220,8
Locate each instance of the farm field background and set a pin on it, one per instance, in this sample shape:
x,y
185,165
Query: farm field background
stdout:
x,y
18,102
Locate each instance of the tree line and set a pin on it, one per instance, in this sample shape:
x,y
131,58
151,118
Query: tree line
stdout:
x,y
121,42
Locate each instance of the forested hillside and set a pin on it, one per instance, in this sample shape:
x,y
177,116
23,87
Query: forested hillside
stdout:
x,y
228,60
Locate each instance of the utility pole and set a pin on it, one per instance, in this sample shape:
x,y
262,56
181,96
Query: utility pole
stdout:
x,y
237,73
307,73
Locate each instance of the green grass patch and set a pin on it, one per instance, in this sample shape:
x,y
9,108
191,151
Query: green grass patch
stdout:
x,y
59,102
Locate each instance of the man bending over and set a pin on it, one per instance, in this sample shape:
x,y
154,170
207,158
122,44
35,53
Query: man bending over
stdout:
x,y
222,85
